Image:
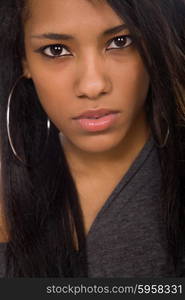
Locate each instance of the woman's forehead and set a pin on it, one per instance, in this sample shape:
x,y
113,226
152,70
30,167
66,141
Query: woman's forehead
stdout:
x,y
70,11
70,17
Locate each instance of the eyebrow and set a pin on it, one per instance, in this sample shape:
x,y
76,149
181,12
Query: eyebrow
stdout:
x,y
62,36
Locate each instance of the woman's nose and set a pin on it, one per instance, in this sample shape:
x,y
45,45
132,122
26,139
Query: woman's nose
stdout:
x,y
92,80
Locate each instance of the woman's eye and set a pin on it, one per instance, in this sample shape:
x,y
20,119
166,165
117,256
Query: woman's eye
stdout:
x,y
59,50
55,51
120,42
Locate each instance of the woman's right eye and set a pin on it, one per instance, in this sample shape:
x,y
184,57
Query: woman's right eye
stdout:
x,y
54,51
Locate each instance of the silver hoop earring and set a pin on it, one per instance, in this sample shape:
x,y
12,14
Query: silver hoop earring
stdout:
x,y
8,123
166,137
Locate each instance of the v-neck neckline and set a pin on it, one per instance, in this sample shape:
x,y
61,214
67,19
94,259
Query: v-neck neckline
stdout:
x,y
125,179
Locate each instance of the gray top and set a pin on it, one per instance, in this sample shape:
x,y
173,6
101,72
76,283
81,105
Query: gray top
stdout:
x,y
127,237
2,259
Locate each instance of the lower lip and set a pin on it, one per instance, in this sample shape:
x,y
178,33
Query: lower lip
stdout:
x,y
103,123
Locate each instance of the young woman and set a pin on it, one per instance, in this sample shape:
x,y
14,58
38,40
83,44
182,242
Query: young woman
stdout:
x,y
92,138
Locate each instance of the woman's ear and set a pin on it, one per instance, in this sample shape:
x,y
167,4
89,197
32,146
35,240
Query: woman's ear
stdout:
x,y
26,71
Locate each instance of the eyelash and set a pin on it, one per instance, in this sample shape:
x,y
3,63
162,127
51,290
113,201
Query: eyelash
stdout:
x,y
42,49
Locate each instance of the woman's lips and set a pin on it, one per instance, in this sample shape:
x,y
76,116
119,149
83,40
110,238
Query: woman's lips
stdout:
x,y
97,124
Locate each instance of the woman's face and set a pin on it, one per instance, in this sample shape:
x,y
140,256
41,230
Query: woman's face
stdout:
x,y
78,64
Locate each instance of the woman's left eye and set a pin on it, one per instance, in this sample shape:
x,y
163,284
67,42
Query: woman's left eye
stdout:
x,y
53,51
120,42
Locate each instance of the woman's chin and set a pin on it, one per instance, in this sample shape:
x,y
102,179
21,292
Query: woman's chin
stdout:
x,y
98,144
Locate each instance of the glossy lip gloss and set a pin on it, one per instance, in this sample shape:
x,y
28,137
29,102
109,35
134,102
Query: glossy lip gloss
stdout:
x,y
97,124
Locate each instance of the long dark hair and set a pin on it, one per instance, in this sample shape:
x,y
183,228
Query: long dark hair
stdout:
x,y
40,201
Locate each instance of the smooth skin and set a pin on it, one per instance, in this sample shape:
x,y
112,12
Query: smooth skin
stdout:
x,y
91,70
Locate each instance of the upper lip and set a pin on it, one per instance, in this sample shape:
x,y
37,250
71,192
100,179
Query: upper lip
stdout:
x,y
95,113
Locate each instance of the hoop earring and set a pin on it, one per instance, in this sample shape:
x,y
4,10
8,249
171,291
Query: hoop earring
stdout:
x,y
166,137
8,123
